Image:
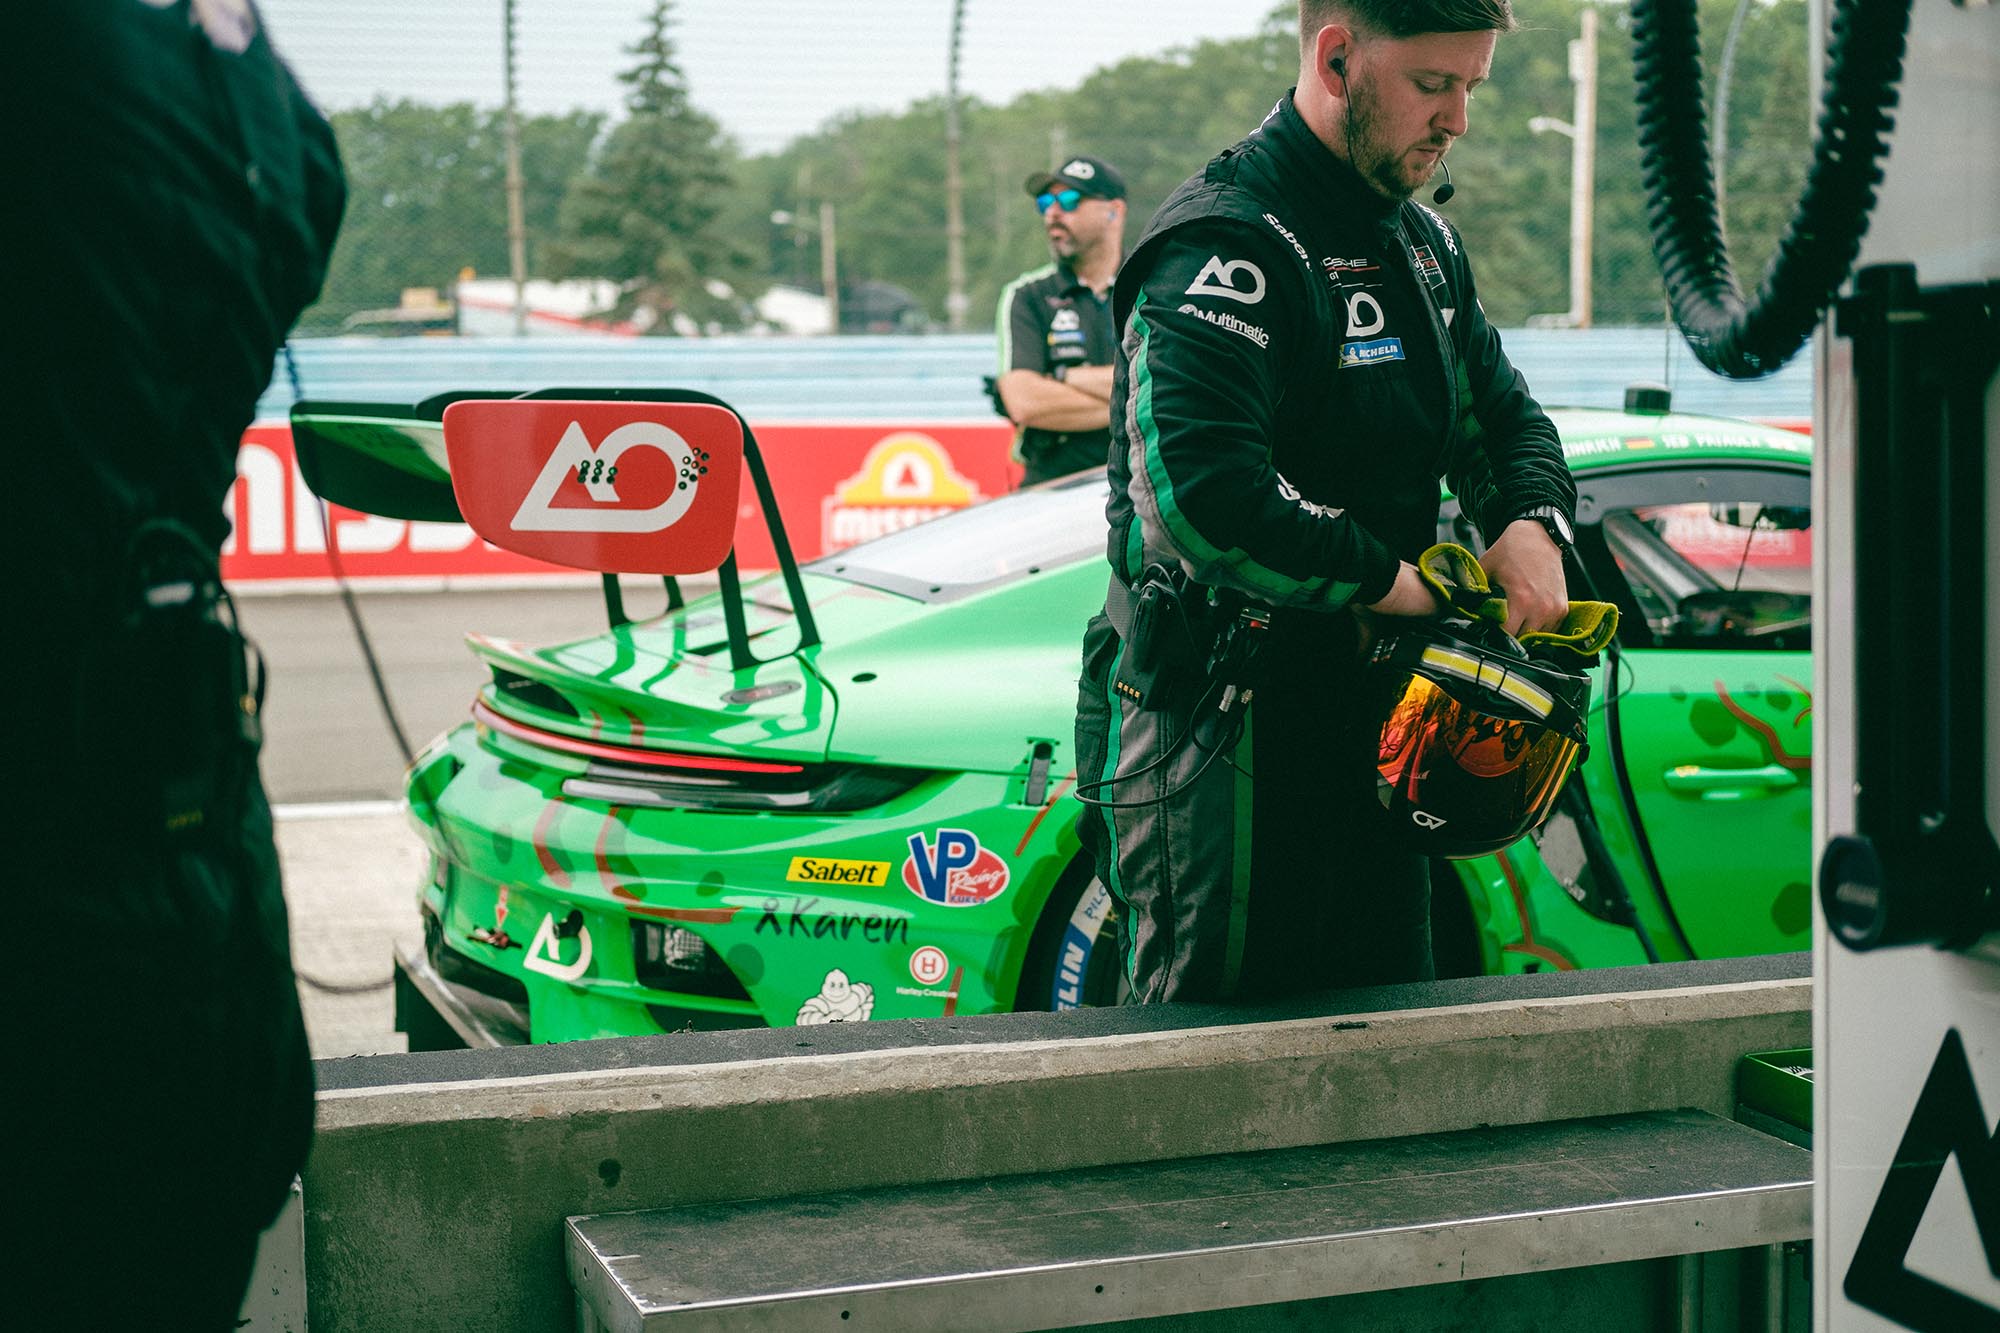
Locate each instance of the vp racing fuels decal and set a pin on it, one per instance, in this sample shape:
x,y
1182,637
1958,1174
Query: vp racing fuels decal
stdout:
x,y
954,870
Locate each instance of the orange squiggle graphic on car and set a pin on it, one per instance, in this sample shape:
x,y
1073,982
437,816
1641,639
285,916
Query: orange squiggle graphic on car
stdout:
x,y
1802,690
1798,763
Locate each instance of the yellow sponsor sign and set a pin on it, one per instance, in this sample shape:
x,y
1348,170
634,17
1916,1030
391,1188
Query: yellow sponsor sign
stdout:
x,y
829,870
907,478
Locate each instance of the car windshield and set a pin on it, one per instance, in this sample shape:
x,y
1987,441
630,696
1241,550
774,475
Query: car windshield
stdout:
x,y
976,547
1703,572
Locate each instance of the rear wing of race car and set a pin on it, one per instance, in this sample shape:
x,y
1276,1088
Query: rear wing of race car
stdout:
x,y
611,480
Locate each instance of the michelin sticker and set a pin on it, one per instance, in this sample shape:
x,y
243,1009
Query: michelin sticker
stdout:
x,y
1370,353
1219,278
953,870
839,1001
1079,939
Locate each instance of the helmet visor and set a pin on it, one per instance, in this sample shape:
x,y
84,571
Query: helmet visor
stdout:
x,y
1467,778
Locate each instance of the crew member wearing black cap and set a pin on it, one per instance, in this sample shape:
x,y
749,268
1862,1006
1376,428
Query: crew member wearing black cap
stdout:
x,y
1056,337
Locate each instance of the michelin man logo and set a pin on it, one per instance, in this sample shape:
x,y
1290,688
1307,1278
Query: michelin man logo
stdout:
x,y
1079,170
597,470
839,1001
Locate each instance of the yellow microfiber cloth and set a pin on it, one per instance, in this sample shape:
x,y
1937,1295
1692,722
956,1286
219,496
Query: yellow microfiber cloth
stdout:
x,y
1584,632
1455,575
1457,578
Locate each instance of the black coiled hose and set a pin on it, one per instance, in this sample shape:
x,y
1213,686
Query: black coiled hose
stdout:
x,y
1864,63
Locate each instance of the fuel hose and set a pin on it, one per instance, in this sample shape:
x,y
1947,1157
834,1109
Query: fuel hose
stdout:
x,y
1735,337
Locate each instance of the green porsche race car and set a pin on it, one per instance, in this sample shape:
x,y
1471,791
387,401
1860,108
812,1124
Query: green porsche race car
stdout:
x,y
736,815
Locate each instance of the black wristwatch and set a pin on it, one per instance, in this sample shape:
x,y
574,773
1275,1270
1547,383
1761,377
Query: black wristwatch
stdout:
x,y
1552,518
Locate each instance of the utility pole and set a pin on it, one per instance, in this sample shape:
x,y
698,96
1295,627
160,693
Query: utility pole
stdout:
x,y
517,229
1582,132
829,271
954,202
1583,168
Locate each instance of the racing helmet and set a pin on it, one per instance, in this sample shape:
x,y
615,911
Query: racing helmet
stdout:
x,y
1475,737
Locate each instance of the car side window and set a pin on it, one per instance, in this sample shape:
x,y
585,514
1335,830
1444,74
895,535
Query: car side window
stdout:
x,y
1706,575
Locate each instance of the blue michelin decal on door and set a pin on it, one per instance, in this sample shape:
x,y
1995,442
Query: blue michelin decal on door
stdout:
x,y
1369,353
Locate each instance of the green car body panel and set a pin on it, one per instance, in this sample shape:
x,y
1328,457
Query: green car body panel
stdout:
x,y
888,830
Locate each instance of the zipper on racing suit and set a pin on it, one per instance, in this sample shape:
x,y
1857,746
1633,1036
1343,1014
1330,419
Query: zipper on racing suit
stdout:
x,y
1428,298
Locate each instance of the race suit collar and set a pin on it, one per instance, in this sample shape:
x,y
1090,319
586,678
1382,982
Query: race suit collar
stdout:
x,y
1316,171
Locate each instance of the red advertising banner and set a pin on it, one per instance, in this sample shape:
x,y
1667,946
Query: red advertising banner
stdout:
x,y
837,483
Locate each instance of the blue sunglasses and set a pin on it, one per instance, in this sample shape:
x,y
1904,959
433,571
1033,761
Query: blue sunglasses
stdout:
x,y
1069,199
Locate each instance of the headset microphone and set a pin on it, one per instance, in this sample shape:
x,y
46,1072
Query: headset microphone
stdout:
x,y
1442,195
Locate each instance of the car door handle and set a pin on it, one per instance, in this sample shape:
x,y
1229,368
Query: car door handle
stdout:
x,y
1728,784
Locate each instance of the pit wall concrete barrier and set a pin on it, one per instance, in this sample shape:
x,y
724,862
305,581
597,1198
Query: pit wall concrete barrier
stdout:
x,y
439,1183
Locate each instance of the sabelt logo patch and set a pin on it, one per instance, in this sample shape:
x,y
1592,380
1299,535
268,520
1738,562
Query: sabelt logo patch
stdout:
x,y
906,479
830,870
639,488
953,870
1373,353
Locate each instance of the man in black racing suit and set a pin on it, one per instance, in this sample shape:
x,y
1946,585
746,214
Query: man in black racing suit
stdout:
x,y
172,210
1302,357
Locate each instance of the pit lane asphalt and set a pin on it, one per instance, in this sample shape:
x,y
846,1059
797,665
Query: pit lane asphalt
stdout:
x,y
325,738
334,772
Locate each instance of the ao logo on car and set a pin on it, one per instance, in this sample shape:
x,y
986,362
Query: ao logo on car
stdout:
x,y
595,469
954,870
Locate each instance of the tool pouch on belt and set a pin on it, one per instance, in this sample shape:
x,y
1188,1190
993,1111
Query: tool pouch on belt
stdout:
x,y
1168,628
172,692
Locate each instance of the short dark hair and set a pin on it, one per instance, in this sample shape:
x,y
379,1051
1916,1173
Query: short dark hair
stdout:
x,y
1403,18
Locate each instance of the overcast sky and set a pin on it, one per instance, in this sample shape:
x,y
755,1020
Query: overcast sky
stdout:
x,y
768,70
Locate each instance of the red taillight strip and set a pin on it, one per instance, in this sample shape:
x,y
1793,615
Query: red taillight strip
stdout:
x,y
622,754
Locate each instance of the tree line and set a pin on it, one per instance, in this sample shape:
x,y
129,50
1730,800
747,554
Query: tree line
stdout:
x,y
693,230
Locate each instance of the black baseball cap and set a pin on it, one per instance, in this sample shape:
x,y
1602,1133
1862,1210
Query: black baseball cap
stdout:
x,y
1091,176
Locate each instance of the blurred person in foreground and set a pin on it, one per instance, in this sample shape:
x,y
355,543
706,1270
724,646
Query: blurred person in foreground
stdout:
x,y
171,207
1056,337
1303,356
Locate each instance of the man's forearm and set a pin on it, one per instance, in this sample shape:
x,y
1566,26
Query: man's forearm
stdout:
x,y
1046,404
1093,380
